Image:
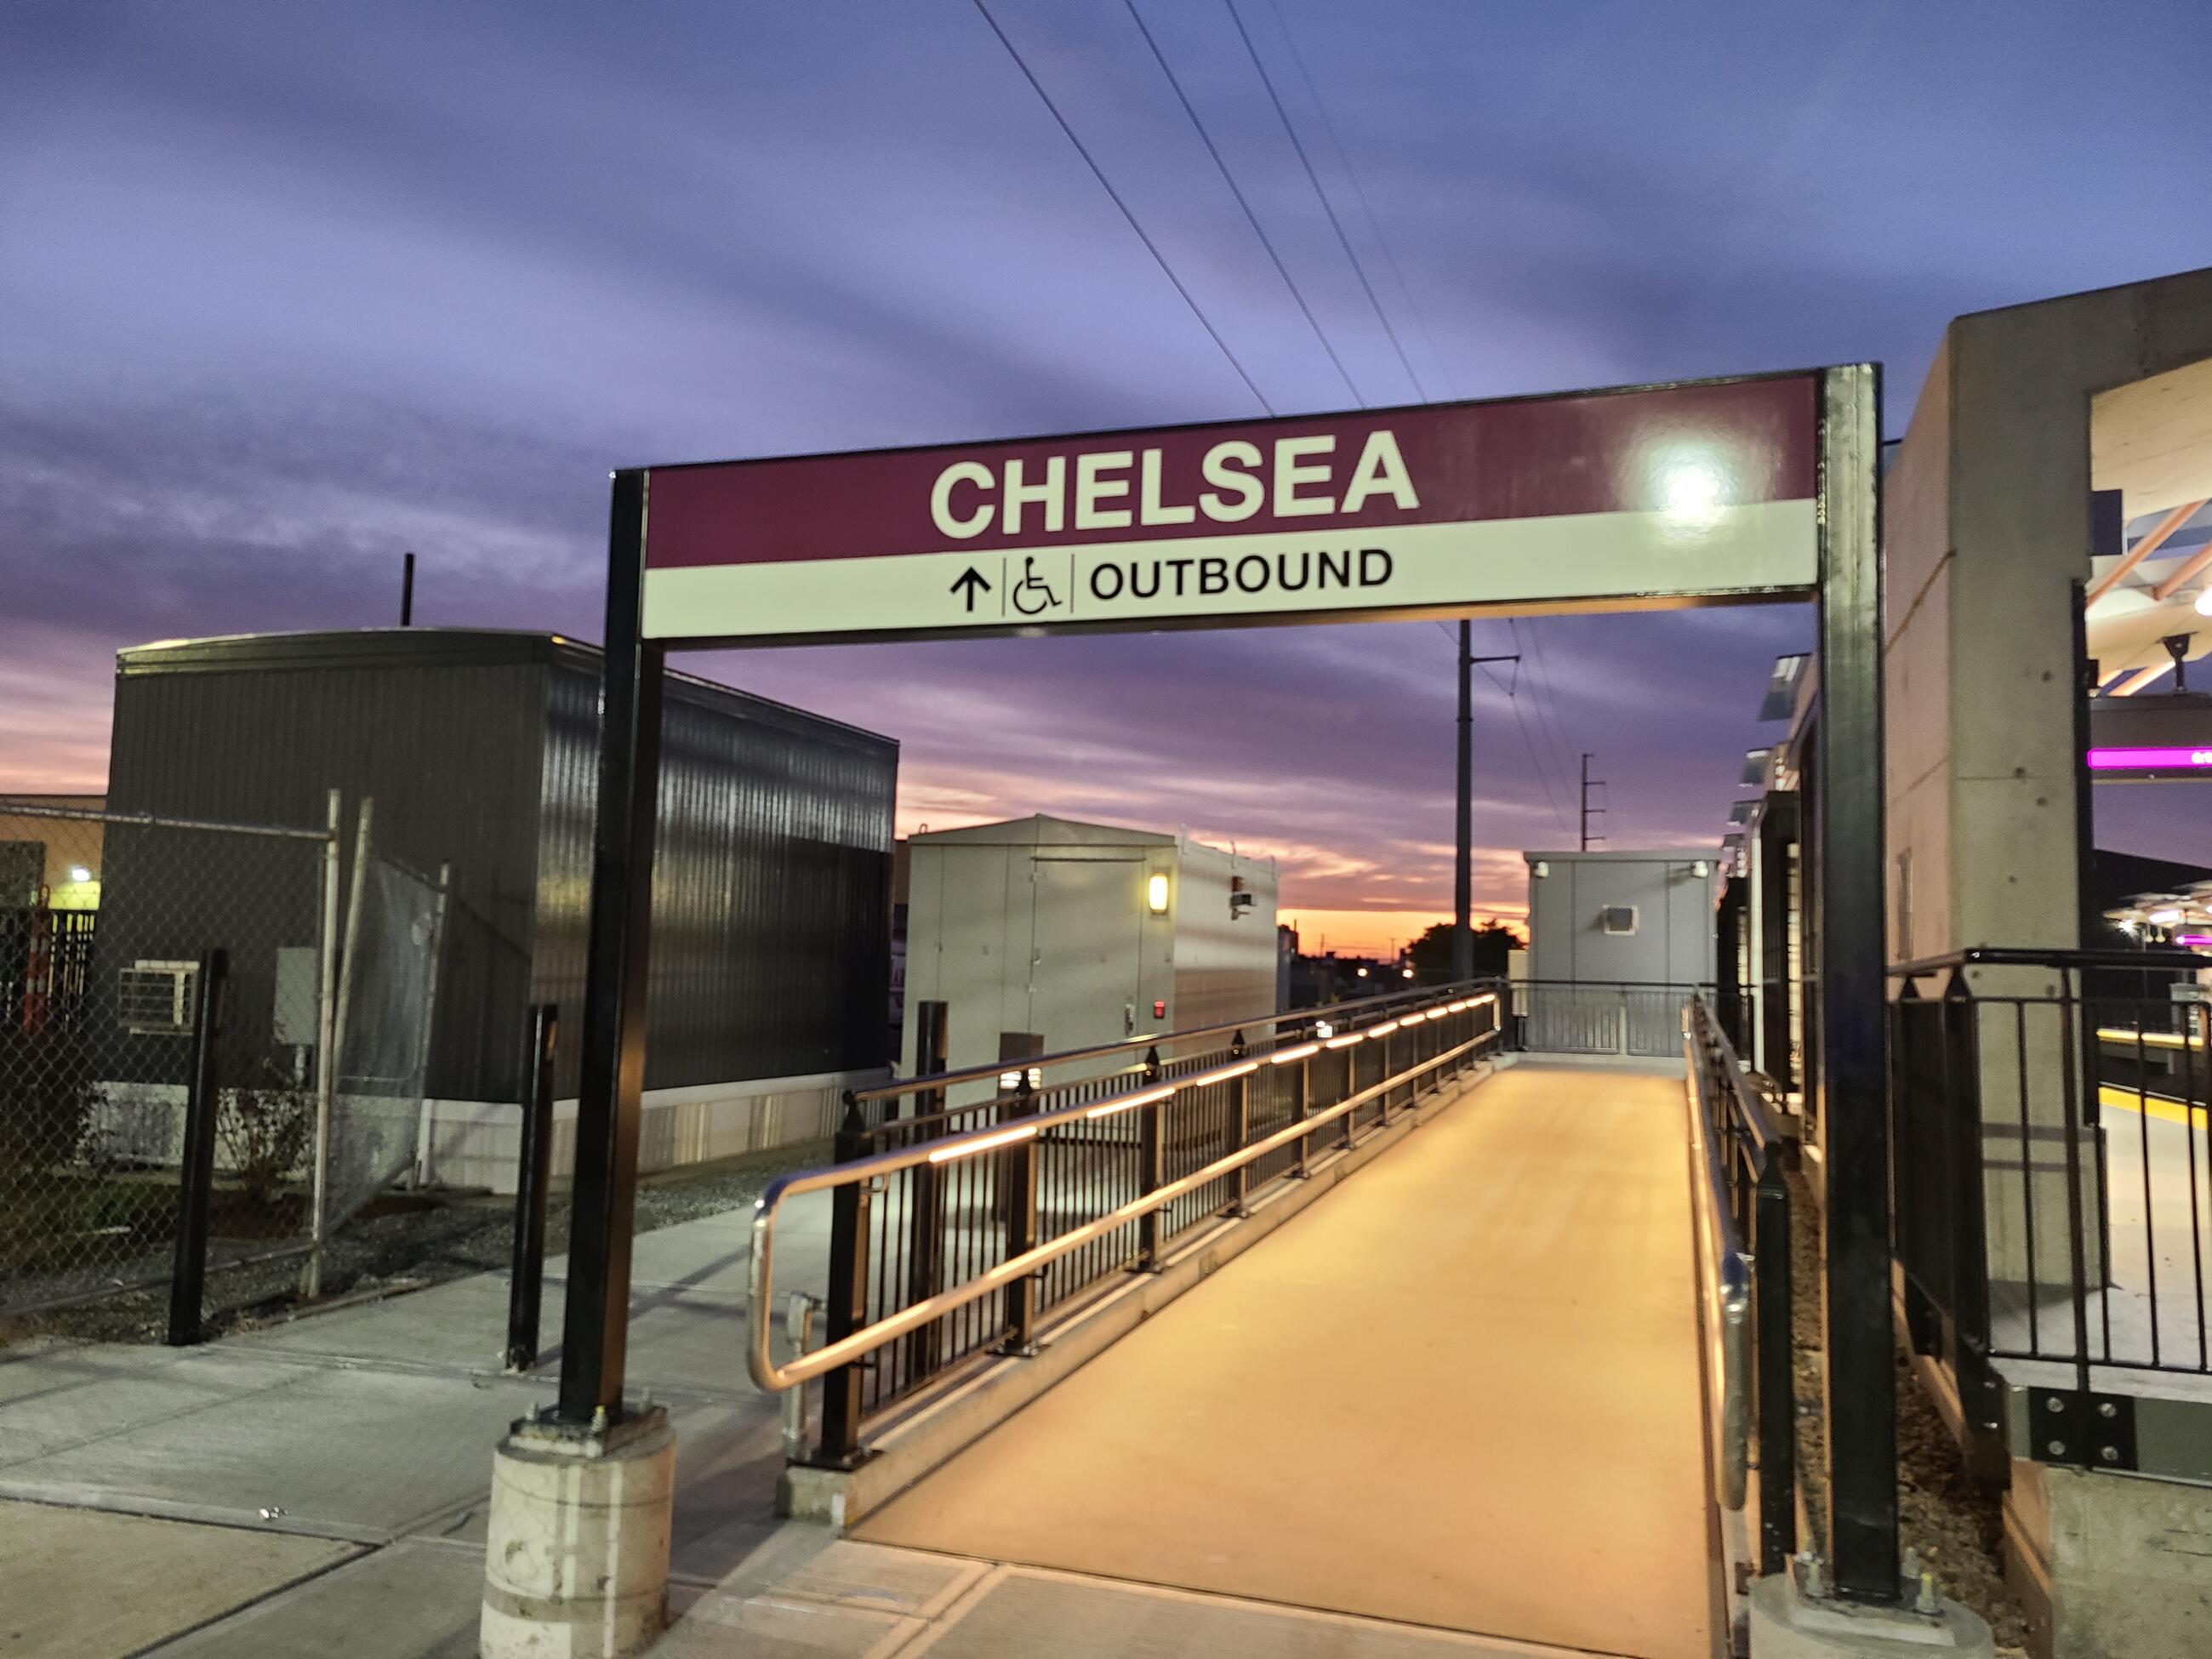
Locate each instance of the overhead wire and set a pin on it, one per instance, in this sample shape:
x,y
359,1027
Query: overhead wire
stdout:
x,y
1328,207
1513,697
1548,727
1545,694
1530,743
1358,189
1115,195
1250,217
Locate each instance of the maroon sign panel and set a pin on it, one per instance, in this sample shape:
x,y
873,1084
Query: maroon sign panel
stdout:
x,y
1699,489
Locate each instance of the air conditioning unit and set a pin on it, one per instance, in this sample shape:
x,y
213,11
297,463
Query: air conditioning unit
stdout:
x,y
1617,919
155,997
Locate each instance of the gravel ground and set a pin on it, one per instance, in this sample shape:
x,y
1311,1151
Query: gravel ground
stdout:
x,y
1953,1522
411,1245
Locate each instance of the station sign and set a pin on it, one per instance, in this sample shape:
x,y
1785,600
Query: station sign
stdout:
x,y
1653,495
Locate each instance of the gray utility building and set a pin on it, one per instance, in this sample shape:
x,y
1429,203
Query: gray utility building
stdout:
x,y
1071,934
1607,931
772,880
1621,918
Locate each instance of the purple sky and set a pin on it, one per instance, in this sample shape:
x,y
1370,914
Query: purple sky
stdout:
x,y
287,289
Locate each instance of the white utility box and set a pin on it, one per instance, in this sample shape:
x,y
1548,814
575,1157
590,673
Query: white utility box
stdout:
x,y
1076,935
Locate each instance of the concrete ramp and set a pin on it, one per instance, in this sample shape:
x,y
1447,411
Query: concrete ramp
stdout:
x,y
1461,1393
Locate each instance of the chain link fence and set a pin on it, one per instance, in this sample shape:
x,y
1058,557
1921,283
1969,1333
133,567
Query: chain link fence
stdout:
x,y
383,1016
320,1061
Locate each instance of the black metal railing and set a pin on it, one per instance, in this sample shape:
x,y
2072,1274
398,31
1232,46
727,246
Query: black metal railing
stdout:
x,y
1743,1156
2053,1176
1635,1019
930,1204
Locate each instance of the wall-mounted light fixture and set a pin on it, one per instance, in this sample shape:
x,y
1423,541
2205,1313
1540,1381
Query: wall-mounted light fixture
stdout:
x,y
1156,895
1701,869
1543,869
79,874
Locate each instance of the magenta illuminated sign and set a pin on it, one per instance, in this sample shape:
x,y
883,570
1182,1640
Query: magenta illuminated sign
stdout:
x,y
2151,760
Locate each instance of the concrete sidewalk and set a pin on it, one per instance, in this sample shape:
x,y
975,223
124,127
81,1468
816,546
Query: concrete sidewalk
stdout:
x,y
319,1487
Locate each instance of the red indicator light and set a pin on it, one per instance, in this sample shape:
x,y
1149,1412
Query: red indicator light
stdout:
x,y
1159,1008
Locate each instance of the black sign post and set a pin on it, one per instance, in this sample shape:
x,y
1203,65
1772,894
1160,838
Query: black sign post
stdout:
x,y
595,1330
1852,1065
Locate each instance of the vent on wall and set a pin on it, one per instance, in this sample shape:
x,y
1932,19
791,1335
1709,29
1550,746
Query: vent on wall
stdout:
x,y
155,997
1617,919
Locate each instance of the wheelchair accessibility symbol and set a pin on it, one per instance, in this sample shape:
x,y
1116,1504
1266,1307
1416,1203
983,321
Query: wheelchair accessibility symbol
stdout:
x,y
1032,595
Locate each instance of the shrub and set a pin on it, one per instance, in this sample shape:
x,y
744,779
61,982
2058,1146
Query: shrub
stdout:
x,y
265,1129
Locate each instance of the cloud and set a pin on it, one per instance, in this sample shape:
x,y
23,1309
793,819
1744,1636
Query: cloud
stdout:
x,y
287,291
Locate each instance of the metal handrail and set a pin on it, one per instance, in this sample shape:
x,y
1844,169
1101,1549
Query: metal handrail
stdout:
x,y
1752,1289
2005,956
931,1081
773,1378
1731,1273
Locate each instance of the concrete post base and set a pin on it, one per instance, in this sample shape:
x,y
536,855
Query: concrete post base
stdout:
x,y
1786,1625
576,1565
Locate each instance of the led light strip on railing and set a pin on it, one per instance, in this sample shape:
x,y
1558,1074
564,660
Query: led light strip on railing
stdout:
x,y
774,1378
932,1082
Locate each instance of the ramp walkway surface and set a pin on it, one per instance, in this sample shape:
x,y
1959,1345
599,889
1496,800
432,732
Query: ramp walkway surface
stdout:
x,y
1451,1407
1462,1393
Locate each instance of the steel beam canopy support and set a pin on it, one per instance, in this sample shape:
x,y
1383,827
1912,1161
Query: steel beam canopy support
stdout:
x,y
1862,1392
1781,830
1462,956
595,1331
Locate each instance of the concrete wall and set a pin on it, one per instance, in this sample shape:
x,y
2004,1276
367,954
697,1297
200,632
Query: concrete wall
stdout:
x,y
2110,1566
1986,523
476,1143
1917,671
1987,526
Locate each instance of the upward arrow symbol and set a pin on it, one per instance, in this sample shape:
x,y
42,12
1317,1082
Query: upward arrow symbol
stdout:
x,y
971,582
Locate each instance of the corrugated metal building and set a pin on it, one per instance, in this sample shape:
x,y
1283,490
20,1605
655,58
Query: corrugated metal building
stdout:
x,y
771,924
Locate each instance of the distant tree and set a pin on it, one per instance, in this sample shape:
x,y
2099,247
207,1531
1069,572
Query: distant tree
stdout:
x,y
1432,953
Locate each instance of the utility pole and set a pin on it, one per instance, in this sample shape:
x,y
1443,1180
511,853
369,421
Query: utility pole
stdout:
x,y
1463,866
407,593
1589,811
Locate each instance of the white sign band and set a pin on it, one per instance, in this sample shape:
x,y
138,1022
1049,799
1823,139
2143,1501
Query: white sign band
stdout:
x,y
1716,551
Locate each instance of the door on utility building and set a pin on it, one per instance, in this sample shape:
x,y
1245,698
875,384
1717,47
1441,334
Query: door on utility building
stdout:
x,y
1084,953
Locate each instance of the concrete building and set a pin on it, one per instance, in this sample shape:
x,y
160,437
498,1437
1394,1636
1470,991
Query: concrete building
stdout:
x,y
1070,934
2046,531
